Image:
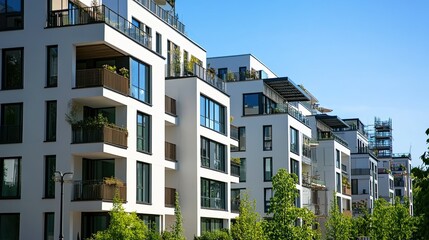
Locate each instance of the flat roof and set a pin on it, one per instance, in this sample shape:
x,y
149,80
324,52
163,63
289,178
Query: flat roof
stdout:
x,y
332,121
287,89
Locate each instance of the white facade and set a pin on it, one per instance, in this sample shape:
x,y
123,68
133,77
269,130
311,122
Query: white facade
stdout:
x,y
83,46
401,170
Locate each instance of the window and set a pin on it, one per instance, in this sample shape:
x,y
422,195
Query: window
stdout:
x,y
159,43
251,104
51,121
140,81
268,137
398,193
11,14
338,158
297,201
294,168
97,169
143,183
338,183
242,138
268,169
213,194
221,73
12,68
148,37
143,133
243,170
93,222
50,165
242,73
268,194
52,66
49,226
9,226
235,200
11,123
11,180
294,141
257,103
211,224
152,221
213,154
212,114
355,186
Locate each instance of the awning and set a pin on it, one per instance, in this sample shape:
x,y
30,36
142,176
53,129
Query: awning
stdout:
x,y
287,89
332,121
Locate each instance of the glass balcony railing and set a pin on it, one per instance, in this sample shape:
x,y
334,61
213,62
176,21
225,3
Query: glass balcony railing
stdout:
x,y
99,14
287,108
331,136
235,169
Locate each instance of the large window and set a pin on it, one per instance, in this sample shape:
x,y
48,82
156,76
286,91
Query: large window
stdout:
x,y
11,14
294,141
212,114
49,226
97,169
140,81
50,165
212,194
355,186
93,222
52,66
211,224
257,103
143,133
268,169
338,158
268,138
51,121
338,183
11,123
143,183
9,226
294,168
11,180
152,221
12,68
242,138
243,170
213,154
268,194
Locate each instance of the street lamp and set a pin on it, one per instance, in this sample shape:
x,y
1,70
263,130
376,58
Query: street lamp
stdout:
x,y
59,177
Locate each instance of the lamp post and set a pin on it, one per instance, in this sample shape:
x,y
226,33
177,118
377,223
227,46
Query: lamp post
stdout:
x,y
59,177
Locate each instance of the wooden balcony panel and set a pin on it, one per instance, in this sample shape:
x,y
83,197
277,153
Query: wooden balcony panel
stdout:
x,y
100,77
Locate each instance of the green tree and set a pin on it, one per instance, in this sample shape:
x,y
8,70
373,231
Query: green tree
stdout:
x,y
215,235
288,221
248,225
381,220
123,225
338,225
421,195
177,231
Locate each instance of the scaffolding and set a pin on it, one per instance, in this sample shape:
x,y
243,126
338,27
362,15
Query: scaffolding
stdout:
x,y
381,140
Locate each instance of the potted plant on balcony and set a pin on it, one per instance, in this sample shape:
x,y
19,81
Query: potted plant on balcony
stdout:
x,y
230,77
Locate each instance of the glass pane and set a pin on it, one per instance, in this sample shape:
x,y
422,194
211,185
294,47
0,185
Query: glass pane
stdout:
x,y
9,227
49,226
51,124
49,174
251,104
13,6
52,66
10,183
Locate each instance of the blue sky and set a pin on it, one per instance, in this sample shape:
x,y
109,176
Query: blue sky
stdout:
x,y
361,58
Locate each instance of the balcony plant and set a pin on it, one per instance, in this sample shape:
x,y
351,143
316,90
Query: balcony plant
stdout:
x,y
230,77
122,71
235,160
112,181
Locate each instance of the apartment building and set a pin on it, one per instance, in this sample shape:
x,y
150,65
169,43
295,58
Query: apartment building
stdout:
x,y
401,170
273,130
364,165
157,124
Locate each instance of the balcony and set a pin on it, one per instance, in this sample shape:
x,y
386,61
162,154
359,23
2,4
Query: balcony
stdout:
x,y
344,169
97,190
170,195
101,77
235,205
347,190
233,132
106,134
362,171
241,76
99,14
287,108
235,169
347,213
10,134
331,136
170,106
170,152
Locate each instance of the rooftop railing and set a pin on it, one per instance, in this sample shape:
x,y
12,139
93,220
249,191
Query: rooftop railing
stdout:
x,y
331,136
99,14
287,108
166,16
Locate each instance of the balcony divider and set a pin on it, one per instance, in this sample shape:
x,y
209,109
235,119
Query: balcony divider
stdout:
x,y
170,106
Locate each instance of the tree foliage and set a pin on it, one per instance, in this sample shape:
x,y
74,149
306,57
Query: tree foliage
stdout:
x,y
248,225
338,225
123,225
421,194
177,231
215,235
288,221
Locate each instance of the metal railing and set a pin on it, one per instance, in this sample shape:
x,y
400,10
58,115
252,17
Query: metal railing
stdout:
x,y
170,197
287,108
10,134
331,136
235,169
106,134
361,171
100,77
170,152
97,190
176,71
99,14
233,132
166,16
170,106
240,76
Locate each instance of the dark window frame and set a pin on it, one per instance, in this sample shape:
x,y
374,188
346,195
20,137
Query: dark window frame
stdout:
x,y
49,176
223,190
243,170
267,202
19,183
210,120
140,199
50,83
264,138
3,125
294,141
147,88
18,220
241,139
158,43
4,71
149,133
51,131
209,152
13,14
46,229
294,168
268,177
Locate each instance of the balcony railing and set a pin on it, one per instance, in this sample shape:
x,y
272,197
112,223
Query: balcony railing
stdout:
x,y
170,106
166,16
331,136
233,132
362,171
241,76
99,14
10,134
106,134
101,77
287,108
176,71
97,190
235,169
170,151
170,195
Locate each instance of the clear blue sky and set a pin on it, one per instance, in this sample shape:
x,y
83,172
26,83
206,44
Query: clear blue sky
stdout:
x,y
362,58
